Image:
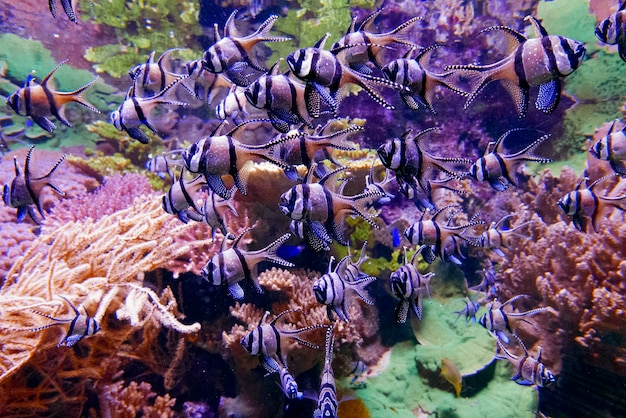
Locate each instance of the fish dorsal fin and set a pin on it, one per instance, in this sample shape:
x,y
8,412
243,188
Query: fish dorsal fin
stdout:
x,y
612,127
71,304
216,33
320,44
283,313
580,183
342,265
274,69
229,27
28,81
47,78
514,37
418,138
264,318
332,174
419,251
330,264
498,143
439,211
240,236
513,299
601,179
17,166
367,23
540,31
150,59
309,174
352,26
424,54
237,131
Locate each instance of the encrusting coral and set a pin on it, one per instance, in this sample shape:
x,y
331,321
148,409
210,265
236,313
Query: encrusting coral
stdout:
x,y
99,266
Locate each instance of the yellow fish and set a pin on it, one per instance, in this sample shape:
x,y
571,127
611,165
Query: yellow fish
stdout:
x,y
452,375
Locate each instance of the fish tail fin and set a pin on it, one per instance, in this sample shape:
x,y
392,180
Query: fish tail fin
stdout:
x,y
270,251
360,203
359,287
76,96
477,75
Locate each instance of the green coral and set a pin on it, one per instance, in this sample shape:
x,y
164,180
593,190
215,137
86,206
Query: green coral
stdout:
x,y
142,26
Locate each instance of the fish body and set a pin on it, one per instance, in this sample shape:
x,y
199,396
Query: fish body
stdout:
x,y
411,164
152,77
205,84
265,341
431,232
497,237
67,8
469,311
501,322
40,101
420,83
25,190
327,404
332,287
407,284
451,373
315,203
612,30
583,204
80,326
179,198
223,154
134,111
231,54
498,168
529,370
612,148
232,265
213,210
330,78
360,46
537,62
283,99
164,164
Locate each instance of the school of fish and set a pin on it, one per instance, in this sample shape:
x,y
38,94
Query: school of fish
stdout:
x,y
296,102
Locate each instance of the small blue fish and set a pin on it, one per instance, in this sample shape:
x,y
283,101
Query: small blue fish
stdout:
x,y
395,238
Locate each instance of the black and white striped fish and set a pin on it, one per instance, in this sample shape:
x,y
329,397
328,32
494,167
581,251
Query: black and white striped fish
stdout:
x,y
500,169
231,54
612,148
330,78
435,234
25,190
330,289
213,210
351,272
582,204
39,100
541,61
265,341
412,165
152,77
612,30
528,370
316,204
232,265
219,154
205,84
135,111
164,164
407,284
360,46
80,326
500,323
469,311
327,403
180,198
497,237
233,106
420,82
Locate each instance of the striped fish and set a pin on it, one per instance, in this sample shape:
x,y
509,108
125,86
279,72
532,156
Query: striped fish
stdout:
x,y
164,164
500,169
327,404
25,190
232,265
80,326
152,77
219,154
431,232
135,111
421,84
284,99
316,204
528,370
488,283
39,101
351,272
330,289
541,61
67,8
213,210
581,204
612,30
359,46
330,78
233,106
265,341
412,165
469,311
288,384
612,148
179,199
407,284
496,237
500,323
205,84
231,54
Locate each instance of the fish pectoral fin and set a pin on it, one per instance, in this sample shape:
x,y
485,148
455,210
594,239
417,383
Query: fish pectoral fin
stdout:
x,y
44,123
498,184
412,101
549,96
278,122
312,100
236,76
216,184
236,291
138,134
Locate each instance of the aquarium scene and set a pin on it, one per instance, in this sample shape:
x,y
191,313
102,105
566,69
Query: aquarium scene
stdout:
x,y
313,208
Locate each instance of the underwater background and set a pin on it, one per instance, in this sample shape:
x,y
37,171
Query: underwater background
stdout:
x,y
118,292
